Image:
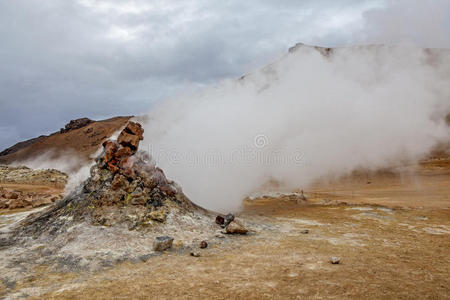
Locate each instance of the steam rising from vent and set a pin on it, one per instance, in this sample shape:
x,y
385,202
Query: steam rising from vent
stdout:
x,y
310,114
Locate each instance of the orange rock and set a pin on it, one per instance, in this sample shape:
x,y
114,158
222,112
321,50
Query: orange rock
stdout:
x,y
128,140
112,166
123,152
136,129
110,149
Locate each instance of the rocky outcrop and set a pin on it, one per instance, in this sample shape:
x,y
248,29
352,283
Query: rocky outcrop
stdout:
x,y
75,124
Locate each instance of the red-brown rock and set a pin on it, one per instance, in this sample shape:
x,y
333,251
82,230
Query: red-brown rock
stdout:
x,y
135,129
110,150
128,140
123,152
112,166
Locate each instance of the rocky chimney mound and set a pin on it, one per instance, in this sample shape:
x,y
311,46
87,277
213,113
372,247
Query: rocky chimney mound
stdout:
x,y
127,210
125,188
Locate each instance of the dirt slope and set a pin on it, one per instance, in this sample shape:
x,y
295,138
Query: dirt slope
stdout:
x,y
83,141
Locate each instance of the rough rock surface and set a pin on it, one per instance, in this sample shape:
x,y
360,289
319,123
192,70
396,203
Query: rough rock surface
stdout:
x,y
75,124
163,243
235,228
14,199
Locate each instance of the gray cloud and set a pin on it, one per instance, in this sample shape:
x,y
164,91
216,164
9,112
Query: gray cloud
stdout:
x,y
66,59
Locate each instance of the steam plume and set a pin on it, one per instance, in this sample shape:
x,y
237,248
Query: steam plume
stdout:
x,y
309,114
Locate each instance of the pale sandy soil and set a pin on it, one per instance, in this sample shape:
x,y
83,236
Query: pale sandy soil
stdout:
x,y
396,251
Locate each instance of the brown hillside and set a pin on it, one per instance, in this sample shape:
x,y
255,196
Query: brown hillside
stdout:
x,y
83,141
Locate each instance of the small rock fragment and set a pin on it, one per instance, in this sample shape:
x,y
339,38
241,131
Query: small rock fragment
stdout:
x,y
135,128
123,152
128,140
235,228
195,254
228,219
158,215
305,231
203,244
220,220
335,260
110,149
162,243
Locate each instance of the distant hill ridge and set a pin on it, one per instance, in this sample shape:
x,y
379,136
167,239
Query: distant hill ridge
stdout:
x,y
81,136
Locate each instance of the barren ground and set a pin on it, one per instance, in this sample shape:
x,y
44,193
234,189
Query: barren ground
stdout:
x,y
393,238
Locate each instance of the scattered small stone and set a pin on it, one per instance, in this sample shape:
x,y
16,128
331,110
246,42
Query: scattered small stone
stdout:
x,y
305,231
235,228
220,220
145,257
203,244
158,215
162,243
335,260
228,219
195,254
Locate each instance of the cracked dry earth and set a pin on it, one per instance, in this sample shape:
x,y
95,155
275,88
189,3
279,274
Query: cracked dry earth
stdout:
x,y
387,252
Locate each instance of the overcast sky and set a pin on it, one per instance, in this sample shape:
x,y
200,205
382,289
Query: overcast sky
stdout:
x,y
61,60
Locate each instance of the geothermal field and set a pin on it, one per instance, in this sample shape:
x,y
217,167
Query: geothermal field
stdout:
x,y
311,208
173,151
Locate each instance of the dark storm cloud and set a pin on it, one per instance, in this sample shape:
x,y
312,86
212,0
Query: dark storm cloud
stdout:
x,y
66,59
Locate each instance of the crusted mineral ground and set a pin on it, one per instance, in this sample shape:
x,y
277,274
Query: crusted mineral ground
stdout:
x,y
114,216
22,187
22,174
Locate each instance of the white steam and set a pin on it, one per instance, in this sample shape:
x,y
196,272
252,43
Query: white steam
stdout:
x,y
303,117
68,161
